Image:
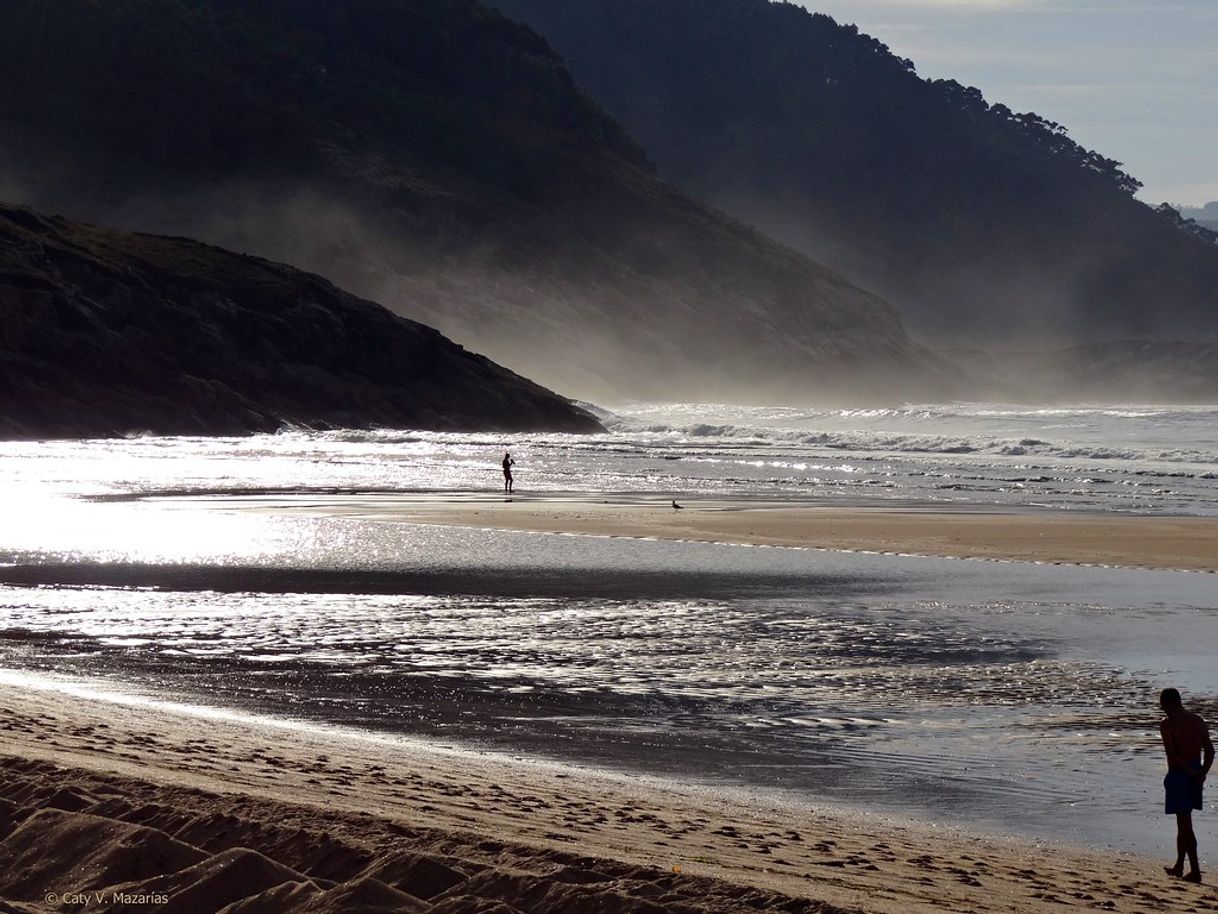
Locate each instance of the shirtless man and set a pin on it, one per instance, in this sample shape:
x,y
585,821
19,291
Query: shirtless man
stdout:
x,y
508,463
1186,740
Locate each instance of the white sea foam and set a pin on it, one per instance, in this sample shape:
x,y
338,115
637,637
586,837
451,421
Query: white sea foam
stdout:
x,y
1137,459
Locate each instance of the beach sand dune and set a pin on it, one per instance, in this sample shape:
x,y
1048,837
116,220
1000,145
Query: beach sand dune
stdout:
x,y
147,808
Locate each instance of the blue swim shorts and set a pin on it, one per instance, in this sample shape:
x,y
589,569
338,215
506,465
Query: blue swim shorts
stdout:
x,y
1183,792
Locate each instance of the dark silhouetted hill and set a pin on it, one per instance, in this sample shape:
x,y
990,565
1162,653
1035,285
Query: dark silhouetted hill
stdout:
x,y
980,223
105,333
438,157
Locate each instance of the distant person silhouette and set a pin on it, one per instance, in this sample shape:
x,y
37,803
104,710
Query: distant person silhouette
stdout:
x,y
1186,740
508,463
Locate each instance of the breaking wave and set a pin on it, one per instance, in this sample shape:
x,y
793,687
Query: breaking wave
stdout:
x,y
895,443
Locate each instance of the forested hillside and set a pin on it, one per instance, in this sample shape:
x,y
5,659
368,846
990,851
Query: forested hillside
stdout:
x,y
981,223
438,157
1205,216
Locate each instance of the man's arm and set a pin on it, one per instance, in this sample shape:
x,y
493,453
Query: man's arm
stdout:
x,y
1207,749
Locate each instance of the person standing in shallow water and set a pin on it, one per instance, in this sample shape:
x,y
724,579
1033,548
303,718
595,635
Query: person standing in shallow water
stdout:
x,y
1186,740
508,463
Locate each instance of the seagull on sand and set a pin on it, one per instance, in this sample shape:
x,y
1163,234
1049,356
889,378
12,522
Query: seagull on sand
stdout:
x,y
676,506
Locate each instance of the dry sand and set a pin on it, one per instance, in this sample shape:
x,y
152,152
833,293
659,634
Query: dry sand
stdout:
x,y
197,815
1185,543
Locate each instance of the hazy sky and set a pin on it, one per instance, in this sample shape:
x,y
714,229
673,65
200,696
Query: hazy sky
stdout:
x,y
1136,80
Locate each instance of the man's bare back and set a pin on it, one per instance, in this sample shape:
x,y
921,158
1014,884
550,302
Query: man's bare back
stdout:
x,y
1186,739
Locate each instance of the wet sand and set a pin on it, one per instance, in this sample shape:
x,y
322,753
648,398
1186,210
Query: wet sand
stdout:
x,y
237,815
1137,541
214,812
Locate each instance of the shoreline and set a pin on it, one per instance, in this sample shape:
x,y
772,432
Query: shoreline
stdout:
x,y
1175,543
506,829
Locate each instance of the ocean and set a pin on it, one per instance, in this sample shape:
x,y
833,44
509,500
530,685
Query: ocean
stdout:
x,y
1003,696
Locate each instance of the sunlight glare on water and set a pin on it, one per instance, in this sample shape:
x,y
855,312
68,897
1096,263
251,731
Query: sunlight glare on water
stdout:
x,y
69,529
1146,460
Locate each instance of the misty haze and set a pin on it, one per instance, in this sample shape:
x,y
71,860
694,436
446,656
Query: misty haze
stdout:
x,y
537,456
